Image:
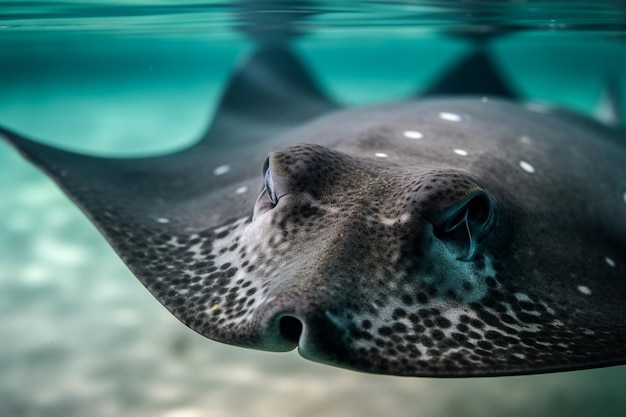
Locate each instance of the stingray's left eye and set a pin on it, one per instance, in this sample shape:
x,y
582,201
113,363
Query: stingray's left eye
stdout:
x,y
269,184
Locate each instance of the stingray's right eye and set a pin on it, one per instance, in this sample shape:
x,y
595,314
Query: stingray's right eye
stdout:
x,y
269,184
462,227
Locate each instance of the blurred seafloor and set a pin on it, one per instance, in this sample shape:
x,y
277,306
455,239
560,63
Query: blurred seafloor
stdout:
x,y
80,336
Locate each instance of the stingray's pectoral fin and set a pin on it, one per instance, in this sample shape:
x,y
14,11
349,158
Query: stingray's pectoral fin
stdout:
x,y
151,210
138,202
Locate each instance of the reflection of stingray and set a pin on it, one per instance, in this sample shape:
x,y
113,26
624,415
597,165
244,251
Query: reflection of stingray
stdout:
x,y
444,236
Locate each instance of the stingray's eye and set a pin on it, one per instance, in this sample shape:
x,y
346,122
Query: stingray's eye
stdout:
x,y
269,184
462,226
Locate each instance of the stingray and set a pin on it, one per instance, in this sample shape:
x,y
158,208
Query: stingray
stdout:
x,y
462,232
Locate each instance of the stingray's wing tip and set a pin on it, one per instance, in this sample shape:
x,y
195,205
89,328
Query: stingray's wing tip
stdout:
x,y
28,148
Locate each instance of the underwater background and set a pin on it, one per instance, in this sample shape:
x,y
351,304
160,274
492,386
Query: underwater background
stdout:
x,y
80,336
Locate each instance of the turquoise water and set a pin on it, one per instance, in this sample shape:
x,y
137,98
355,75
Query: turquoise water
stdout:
x,y
80,336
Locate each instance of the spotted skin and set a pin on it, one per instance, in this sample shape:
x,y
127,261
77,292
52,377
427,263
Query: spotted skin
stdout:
x,y
386,249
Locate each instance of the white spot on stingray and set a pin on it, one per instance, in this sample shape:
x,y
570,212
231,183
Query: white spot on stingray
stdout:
x,y
163,220
390,221
381,155
527,167
451,117
241,190
525,140
221,170
460,152
584,289
413,134
484,99
522,297
610,262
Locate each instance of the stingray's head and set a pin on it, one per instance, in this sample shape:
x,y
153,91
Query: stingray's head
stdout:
x,y
360,263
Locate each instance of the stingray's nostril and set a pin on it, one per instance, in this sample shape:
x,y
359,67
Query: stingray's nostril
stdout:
x,y
290,328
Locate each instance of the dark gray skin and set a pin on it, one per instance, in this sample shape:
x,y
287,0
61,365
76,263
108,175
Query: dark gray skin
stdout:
x,y
450,236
